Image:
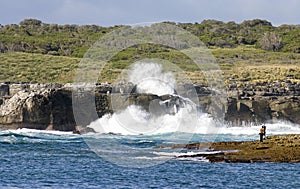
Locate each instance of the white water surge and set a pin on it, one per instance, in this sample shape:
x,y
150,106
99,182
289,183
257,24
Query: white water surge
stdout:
x,y
134,120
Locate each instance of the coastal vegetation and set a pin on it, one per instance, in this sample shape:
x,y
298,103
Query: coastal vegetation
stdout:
x,y
240,65
253,51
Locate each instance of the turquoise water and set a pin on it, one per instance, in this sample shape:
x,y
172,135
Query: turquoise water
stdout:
x,y
35,159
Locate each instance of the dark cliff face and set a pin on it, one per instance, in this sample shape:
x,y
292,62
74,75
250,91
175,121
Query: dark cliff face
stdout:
x,y
263,103
43,109
61,114
263,109
49,106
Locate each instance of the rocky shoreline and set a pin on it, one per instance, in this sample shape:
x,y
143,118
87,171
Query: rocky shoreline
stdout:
x,y
280,148
49,106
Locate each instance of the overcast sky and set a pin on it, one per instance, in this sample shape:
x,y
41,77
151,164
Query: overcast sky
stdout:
x,y
113,12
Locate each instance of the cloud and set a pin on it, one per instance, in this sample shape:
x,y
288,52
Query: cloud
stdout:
x,y
114,12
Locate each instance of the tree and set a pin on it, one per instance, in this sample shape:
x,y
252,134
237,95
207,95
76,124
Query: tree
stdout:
x,y
31,22
255,22
271,41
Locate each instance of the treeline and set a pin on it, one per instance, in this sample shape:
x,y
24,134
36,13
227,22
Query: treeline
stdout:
x,y
34,36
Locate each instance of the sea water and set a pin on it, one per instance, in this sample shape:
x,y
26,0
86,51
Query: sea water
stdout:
x,y
52,159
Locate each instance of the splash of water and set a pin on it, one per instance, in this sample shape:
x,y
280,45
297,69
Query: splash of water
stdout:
x,y
176,114
135,120
150,78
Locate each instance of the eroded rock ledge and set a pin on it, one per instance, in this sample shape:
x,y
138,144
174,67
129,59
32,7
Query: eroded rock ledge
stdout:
x,y
49,106
281,148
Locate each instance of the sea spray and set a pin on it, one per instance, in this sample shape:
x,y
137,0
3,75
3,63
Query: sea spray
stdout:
x,y
176,114
134,120
150,78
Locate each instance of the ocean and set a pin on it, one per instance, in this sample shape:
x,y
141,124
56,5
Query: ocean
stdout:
x,y
53,159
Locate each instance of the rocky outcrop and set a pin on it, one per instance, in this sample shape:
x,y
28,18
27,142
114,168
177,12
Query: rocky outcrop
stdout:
x,y
42,109
49,106
255,106
263,102
262,109
281,148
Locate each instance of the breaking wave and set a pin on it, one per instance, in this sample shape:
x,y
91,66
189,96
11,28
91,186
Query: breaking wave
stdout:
x,y
182,116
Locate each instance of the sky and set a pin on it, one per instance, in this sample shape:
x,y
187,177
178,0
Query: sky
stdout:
x,y
128,12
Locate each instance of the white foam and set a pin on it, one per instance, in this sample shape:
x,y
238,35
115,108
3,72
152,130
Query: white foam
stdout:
x,y
189,153
178,155
272,129
134,121
197,159
28,131
9,139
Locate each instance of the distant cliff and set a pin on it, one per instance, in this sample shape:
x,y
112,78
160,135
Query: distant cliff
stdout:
x,y
49,106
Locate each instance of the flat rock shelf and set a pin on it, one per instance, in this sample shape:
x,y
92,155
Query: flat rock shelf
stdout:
x,y
279,148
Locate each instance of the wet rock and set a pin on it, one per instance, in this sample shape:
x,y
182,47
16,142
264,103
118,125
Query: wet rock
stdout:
x,y
83,130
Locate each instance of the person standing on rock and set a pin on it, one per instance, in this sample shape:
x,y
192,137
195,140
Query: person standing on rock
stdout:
x,y
261,134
